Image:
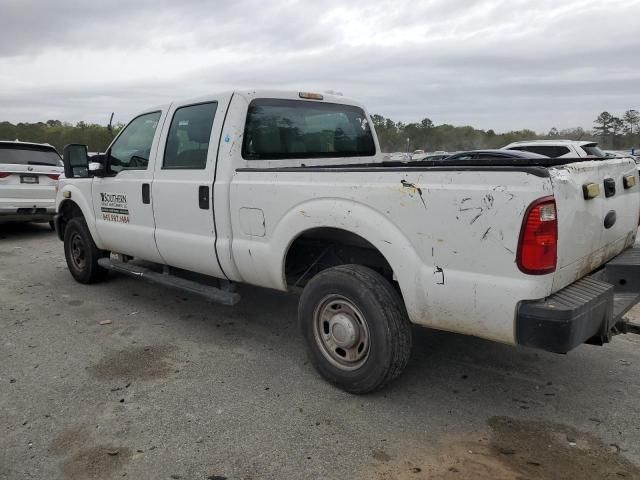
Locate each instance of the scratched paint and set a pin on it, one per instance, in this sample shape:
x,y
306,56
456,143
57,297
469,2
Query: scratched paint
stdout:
x,y
449,269
413,189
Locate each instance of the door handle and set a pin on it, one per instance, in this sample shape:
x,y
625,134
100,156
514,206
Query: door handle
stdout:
x,y
146,193
203,197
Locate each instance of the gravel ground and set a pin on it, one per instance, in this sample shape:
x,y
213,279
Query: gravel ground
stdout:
x,y
171,387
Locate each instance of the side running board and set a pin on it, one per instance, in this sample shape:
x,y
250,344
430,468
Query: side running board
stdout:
x,y
213,294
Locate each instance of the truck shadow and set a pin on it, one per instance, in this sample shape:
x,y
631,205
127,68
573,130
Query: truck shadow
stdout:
x,y
443,359
25,231
447,361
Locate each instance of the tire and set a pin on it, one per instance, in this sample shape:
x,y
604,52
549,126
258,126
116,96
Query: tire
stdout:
x,y
81,253
52,225
356,328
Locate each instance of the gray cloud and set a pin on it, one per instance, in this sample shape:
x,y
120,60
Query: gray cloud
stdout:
x,y
492,64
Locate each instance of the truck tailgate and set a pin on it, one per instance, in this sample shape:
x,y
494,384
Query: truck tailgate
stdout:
x,y
585,239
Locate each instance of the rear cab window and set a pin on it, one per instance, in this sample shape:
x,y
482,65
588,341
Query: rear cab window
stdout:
x,y
17,154
279,129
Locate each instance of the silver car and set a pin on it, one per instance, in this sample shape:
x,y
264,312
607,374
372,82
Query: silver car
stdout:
x,y
28,181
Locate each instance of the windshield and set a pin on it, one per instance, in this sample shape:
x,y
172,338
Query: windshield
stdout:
x,y
593,150
28,155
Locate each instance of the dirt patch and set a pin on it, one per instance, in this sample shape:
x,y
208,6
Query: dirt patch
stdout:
x,y
139,363
515,450
97,462
70,439
84,461
381,456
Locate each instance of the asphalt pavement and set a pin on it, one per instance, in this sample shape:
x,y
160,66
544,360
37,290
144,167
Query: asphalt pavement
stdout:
x,y
129,380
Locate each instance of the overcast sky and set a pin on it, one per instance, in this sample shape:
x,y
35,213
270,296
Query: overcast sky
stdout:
x,y
490,64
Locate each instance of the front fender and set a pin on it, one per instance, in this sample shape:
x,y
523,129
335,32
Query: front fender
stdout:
x,y
80,196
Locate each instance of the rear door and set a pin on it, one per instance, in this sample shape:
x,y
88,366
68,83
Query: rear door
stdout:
x,y
183,185
122,199
592,231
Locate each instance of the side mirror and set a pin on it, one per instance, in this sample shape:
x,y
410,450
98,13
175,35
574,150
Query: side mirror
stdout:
x,y
76,161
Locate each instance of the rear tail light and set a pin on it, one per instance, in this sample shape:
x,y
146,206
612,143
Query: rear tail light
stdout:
x,y
4,174
53,176
538,245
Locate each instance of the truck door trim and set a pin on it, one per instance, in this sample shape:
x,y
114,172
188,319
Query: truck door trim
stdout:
x,y
213,186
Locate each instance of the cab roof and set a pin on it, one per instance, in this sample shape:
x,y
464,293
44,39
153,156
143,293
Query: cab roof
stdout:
x,y
248,95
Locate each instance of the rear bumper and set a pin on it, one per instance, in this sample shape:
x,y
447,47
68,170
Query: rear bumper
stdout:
x,y
39,213
585,311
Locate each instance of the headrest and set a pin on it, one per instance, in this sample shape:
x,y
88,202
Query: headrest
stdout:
x,y
199,131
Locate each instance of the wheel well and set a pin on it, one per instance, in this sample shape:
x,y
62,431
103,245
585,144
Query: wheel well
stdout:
x,y
321,248
68,210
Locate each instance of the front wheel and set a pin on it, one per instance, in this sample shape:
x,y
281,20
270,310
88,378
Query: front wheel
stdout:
x,y
82,254
356,328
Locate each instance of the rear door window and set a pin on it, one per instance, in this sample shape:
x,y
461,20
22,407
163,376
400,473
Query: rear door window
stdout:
x,y
16,154
464,156
593,150
188,139
486,156
552,151
286,129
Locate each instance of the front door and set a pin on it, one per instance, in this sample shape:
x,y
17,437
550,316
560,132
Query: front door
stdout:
x,y
122,199
183,185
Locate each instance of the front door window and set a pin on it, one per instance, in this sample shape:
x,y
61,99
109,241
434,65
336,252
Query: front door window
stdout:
x,y
131,149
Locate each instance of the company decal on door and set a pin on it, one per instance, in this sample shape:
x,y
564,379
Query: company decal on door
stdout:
x,y
114,207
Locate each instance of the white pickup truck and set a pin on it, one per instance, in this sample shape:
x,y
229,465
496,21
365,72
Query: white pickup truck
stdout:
x,y
290,191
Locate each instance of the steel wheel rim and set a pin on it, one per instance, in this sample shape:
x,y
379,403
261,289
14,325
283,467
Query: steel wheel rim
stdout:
x,y
341,332
77,251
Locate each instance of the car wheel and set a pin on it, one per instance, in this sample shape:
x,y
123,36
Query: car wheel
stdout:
x,y
356,328
82,254
52,225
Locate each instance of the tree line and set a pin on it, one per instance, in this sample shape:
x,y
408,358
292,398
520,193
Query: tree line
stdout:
x,y
618,132
59,134
609,131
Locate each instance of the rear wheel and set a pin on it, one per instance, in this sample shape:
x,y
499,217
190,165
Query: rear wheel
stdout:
x,y
356,328
82,254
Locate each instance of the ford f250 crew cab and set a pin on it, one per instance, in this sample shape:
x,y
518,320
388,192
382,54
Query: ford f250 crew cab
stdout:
x,y
290,191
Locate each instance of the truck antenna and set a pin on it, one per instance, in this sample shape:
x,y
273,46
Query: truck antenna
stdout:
x,y
110,126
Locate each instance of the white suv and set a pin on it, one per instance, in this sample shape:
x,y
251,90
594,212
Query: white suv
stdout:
x,y
559,148
28,181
